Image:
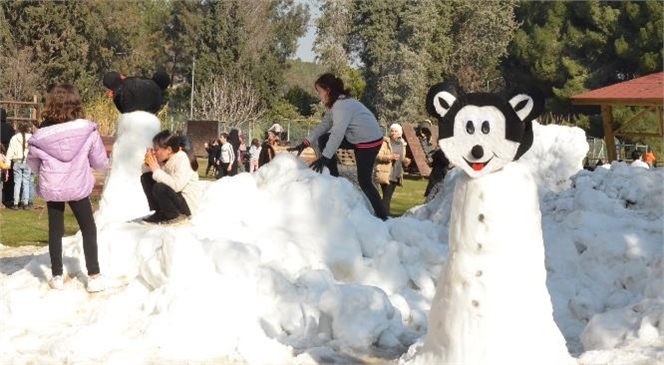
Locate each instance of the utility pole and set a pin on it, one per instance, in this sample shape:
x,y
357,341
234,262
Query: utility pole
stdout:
x,y
191,100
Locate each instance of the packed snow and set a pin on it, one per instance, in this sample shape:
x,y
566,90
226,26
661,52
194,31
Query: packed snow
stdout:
x,y
290,266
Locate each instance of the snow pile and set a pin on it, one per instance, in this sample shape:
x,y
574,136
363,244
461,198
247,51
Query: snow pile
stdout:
x,y
289,266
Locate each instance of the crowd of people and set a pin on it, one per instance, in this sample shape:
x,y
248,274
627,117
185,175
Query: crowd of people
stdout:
x,y
381,160
66,147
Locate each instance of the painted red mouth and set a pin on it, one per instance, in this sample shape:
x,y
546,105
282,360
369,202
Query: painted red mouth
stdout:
x,y
478,166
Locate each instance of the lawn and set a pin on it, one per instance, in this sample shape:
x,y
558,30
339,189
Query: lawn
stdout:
x,y
30,227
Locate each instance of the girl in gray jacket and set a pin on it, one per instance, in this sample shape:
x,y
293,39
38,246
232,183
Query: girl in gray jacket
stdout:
x,y
346,124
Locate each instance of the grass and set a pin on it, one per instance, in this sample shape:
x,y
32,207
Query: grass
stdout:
x,y
408,195
30,227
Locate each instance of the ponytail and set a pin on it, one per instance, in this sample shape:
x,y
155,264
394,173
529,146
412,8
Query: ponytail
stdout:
x,y
334,85
177,143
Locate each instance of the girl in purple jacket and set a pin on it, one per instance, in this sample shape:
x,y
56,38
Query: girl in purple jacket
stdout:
x,y
62,153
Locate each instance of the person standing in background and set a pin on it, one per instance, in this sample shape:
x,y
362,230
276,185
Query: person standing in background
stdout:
x,y
7,131
225,158
267,151
638,162
212,149
649,158
18,154
439,166
254,153
235,141
390,164
5,165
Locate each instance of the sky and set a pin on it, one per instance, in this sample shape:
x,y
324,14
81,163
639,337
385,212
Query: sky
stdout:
x,y
289,266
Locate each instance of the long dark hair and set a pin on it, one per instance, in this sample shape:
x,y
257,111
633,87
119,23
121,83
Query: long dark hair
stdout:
x,y
234,139
177,143
335,86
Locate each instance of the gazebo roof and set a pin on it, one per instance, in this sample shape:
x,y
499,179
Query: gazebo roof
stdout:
x,y
646,90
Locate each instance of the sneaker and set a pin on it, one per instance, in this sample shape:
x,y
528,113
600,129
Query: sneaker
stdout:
x,y
96,284
56,282
27,206
13,207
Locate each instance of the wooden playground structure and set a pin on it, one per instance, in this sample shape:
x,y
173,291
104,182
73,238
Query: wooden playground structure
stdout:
x,y
20,111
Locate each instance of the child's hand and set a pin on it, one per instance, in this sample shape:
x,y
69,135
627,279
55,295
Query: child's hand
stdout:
x,y
150,160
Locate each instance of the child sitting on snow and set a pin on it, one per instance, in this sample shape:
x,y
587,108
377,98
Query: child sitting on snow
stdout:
x,y
171,186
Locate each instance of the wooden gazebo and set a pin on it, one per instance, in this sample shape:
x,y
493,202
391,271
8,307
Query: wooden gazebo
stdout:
x,y
646,91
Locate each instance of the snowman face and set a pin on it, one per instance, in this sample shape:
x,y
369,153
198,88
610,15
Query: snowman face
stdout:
x,y
478,144
483,132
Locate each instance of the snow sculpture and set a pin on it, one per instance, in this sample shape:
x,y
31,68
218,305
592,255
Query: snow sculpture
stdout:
x,y
491,304
138,99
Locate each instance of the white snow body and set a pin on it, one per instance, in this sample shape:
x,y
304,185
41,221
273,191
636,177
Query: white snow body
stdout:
x,y
123,198
492,305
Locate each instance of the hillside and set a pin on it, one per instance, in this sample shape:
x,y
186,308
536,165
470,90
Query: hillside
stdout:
x,y
302,74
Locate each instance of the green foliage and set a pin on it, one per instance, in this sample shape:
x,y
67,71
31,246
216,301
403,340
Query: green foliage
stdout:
x,y
403,47
78,41
281,110
567,47
301,100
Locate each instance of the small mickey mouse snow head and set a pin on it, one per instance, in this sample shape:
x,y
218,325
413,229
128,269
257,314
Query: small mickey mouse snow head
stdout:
x,y
482,132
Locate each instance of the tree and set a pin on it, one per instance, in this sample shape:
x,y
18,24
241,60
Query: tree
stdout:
x,y
334,26
566,48
301,100
231,101
402,47
19,75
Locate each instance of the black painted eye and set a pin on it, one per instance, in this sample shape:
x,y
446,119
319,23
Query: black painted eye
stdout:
x,y
485,127
470,128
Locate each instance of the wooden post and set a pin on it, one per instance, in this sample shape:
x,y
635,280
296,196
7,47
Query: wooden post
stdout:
x,y
35,110
416,149
609,139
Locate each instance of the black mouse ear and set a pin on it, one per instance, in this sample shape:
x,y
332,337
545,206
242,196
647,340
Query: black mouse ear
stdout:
x,y
527,102
162,79
440,98
112,80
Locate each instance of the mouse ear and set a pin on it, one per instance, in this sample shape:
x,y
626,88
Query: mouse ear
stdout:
x,y
162,79
112,80
440,98
527,102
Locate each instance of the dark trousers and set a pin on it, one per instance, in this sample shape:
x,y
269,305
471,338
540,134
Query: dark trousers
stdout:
x,y
388,191
163,199
365,158
56,229
222,170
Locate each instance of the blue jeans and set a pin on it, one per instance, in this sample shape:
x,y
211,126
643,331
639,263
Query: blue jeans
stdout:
x,y
22,183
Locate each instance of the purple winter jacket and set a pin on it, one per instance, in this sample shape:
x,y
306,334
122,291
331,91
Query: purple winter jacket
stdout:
x,y
62,156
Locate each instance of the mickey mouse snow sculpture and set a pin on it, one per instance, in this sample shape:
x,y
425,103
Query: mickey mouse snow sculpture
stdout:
x,y
138,99
491,304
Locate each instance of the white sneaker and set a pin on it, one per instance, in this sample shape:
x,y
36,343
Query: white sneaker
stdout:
x,y
56,282
96,284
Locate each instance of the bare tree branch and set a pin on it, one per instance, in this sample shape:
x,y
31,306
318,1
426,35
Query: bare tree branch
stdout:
x,y
234,102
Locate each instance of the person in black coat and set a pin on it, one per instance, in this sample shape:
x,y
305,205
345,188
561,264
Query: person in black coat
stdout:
x,y
234,140
212,148
439,167
6,134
